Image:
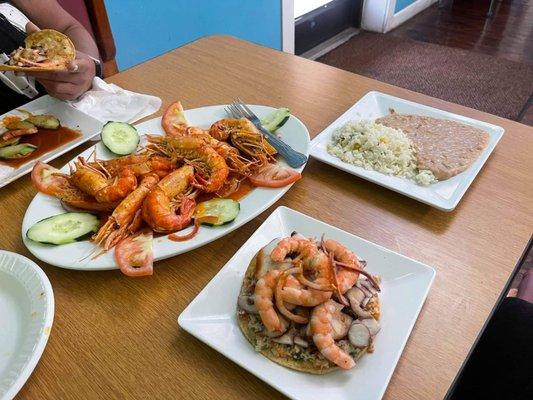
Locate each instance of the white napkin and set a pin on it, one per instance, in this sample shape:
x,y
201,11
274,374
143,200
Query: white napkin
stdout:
x,y
109,102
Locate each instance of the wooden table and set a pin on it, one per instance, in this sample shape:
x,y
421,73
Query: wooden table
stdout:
x,y
115,337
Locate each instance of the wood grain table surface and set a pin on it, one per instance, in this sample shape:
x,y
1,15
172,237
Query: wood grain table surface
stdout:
x,y
117,337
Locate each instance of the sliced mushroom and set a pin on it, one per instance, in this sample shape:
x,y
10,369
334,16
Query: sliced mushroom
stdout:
x,y
355,297
306,331
359,335
300,342
287,338
263,262
365,291
371,324
341,326
368,285
247,303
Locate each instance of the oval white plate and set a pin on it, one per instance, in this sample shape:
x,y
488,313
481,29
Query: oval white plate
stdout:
x,y
26,315
74,255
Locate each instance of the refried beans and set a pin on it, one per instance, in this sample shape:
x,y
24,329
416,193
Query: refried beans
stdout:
x,y
444,147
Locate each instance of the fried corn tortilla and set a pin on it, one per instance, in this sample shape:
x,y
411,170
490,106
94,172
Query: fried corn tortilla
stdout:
x,y
57,49
295,357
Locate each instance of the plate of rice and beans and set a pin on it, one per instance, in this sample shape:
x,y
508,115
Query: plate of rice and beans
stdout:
x,y
422,152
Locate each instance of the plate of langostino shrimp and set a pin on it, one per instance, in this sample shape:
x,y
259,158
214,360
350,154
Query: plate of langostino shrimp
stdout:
x,y
160,188
314,311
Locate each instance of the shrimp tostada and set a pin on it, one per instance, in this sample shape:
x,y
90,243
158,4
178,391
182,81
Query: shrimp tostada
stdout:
x,y
309,305
44,50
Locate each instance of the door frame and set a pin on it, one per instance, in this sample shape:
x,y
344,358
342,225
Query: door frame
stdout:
x,y
379,16
287,26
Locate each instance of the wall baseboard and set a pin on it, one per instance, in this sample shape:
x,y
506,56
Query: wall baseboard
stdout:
x,y
330,44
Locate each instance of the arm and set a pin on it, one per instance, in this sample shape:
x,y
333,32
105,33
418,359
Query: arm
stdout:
x,y
70,84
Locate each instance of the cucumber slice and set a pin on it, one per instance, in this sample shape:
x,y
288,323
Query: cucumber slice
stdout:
x,y
44,121
276,120
17,151
16,125
217,211
9,142
119,137
64,228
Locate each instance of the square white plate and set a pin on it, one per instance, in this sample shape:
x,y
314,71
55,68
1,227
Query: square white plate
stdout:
x,y
68,116
211,316
444,195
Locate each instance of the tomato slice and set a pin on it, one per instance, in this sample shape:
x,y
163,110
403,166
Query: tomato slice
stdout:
x,y
174,121
134,255
45,180
275,176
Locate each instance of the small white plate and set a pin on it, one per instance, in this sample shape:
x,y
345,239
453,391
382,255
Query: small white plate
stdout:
x,y
444,195
73,255
26,315
211,316
69,118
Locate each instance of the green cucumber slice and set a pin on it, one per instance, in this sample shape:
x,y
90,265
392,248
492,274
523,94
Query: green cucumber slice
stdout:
x,y
276,119
17,151
119,137
217,211
16,125
64,228
44,121
9,142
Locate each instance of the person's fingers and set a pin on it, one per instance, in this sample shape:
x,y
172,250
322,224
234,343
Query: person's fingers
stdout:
x,y
73,66
31,27
61,90
74,72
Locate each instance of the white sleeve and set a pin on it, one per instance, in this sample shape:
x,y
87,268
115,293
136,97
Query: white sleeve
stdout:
x,y
14,15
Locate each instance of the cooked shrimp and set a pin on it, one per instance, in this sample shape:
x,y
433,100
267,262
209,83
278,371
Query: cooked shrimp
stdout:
x,y
51,181
211,169
231,155
119,224
303,248
140,164
243,135
346,277
295,293
222,129
319,272
280,301
321,324
103,187
160,207
264,301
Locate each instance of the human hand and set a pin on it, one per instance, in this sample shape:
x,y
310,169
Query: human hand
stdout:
x,y
67,84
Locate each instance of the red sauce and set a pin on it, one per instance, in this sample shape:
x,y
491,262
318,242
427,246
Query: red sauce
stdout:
x,y
46,140
244,188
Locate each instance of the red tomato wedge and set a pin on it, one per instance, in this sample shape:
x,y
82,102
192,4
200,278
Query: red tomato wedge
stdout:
x,y
274,176
44,179
174,121
134,255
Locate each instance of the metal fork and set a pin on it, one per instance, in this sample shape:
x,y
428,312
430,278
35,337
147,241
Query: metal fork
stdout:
x,y
295,159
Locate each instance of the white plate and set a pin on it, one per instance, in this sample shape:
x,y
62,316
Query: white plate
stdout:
x,y
258,200
26,315
444,195
211,316
68,116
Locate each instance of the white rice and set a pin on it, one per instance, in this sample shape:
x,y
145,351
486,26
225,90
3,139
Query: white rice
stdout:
x,y
378,147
